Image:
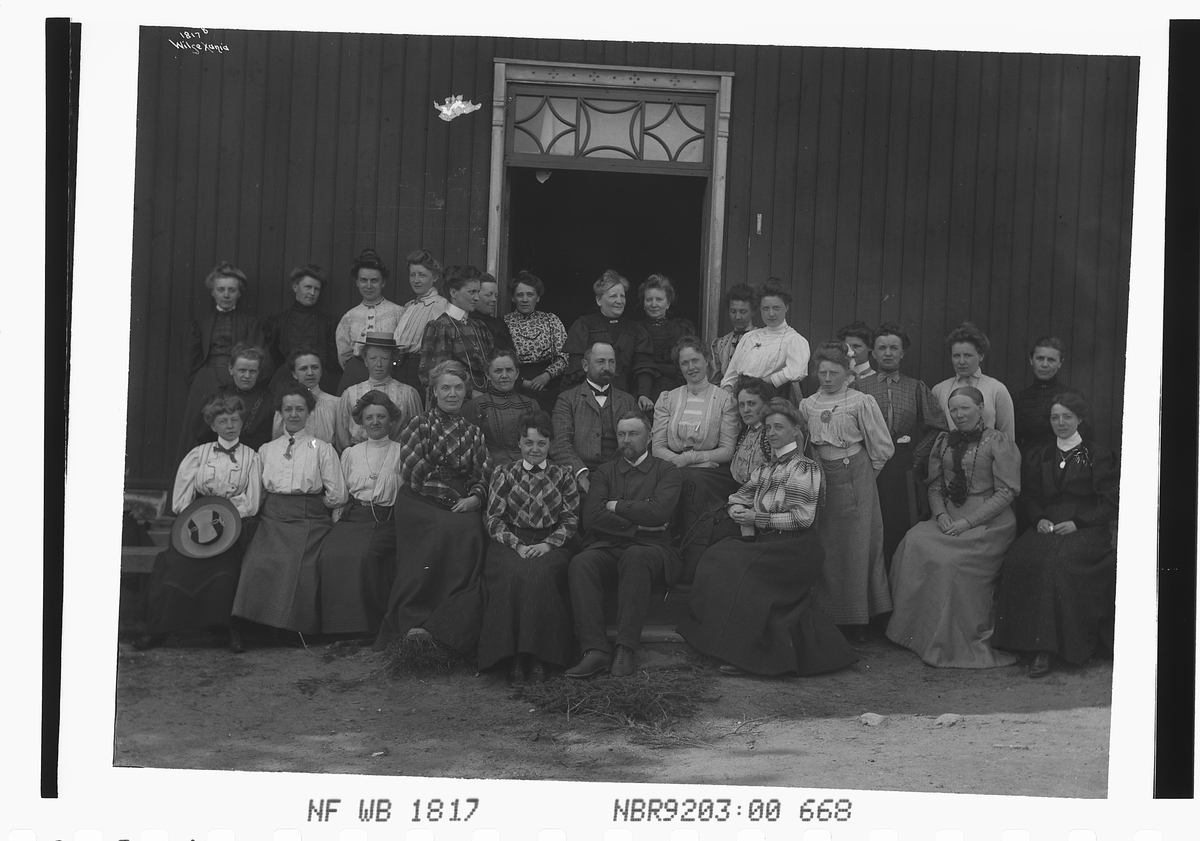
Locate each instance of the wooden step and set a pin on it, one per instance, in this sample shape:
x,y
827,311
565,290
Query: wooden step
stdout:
x,y
138,559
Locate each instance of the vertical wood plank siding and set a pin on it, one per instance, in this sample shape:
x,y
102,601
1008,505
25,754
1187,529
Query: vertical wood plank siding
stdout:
x,y
914,186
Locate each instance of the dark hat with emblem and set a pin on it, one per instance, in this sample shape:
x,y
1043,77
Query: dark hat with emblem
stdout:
x,y
207,527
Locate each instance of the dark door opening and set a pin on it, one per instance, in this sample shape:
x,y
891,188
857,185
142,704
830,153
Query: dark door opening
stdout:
x,y
568,230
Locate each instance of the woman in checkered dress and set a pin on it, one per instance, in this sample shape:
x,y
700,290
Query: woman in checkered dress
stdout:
x,y
752,601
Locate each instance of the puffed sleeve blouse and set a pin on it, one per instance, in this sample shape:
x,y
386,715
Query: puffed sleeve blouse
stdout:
x,y
695,427
783,492
312,468
854,418
372,471
206,471
993,467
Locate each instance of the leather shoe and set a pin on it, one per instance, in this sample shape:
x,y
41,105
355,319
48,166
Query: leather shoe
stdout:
x,y
235,641
537,671
730,669
516,671
624,665
1041,666
594,661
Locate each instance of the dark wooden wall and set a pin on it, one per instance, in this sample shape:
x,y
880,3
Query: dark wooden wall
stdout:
x,y
923,187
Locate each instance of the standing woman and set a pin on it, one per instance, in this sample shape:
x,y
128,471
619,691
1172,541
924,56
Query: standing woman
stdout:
x,y
850,436
454,335
944,572
302,480
245,366
657,294
752,604
302,325
499,410
444,474
375,314
358,558
968,346
774,352
424,271
214,335
1031,405
739,305
635,354
1058,580
538,338
520,611
189,593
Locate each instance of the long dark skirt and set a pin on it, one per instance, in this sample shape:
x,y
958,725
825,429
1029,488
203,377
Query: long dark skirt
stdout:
x,y
892,485
356,569
279,582
1056,591
187,594
519,606
703,493
438,553
548,396
752,605
206,383
854,585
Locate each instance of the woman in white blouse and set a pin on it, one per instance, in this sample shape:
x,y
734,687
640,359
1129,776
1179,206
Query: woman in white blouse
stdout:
x,y
424,271
358,558
302,480
774,352
968,345
192,593
307,367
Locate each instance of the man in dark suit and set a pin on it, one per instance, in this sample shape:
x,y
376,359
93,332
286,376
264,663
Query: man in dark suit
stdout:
x,y
628,543
585,417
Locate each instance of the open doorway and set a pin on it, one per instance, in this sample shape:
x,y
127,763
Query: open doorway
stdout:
x,y
578,223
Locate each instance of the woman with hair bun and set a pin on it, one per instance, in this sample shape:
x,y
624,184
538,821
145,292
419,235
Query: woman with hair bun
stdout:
x,y
358,558
214,335
374,314
657,295
850,437
538,338
774,352
968,346
424,272
1058,580
944,571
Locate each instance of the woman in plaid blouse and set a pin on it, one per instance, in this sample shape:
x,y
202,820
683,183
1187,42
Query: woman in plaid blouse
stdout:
x,y
444,474
520,611
752,601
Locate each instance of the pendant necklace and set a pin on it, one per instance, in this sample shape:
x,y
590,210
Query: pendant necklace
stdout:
x,y
373,472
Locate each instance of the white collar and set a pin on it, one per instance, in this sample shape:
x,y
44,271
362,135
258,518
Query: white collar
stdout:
x,y
782,328
862,368
601,388
231,309
299,436
429,297
528,466
374,305
456,312
378,442
1068,444
236,441
786,449
640,460
384,381
699,389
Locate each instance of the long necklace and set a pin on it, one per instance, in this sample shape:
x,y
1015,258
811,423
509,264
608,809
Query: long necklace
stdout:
x,y
373,472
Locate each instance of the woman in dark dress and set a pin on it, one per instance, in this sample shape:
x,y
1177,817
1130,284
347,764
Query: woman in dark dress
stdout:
x,y
498,411
444,475
751,605
214,335
635,354
657,295
245,366
538,338
358,558
520,610
190,593
1057,582
303,326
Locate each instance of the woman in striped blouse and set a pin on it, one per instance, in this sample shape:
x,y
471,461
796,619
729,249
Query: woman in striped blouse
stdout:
x,y
751,605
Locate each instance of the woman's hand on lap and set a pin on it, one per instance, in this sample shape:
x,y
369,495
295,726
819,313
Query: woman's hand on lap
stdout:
x,y
467,503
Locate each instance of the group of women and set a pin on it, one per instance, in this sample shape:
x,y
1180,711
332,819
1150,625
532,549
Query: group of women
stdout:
x,y
451,517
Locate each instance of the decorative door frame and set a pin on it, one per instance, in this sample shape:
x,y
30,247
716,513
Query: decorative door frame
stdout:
x,y
715,86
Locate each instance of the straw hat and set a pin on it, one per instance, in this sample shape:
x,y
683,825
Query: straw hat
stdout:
x,y
207,527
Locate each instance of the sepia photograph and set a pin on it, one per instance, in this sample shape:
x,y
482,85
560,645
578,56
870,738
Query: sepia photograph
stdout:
x,y
625,411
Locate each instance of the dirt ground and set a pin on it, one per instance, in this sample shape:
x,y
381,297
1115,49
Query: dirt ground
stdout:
x,y
192,704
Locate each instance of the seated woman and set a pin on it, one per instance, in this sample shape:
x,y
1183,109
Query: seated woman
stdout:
x,y
657,294
520,610
1058,580
538,337
444,474
306,366
358,558
695,428
302,480
944,571
378,353
498,411
752,603
752,448
190,593
245,367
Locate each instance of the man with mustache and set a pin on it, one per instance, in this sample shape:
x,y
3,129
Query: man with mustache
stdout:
x,y
627,543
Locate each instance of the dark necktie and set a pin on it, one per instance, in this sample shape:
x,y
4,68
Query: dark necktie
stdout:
x,y
291,442
537,468
230,452
597,391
